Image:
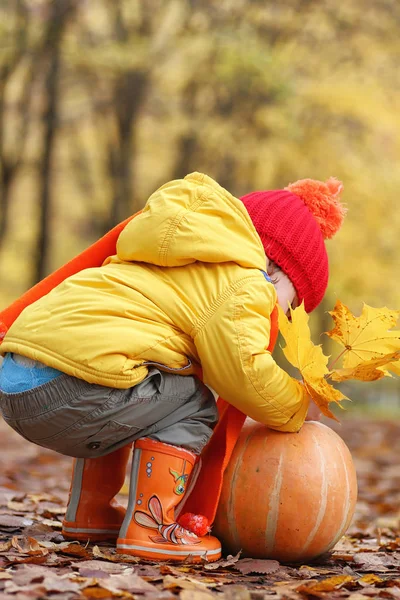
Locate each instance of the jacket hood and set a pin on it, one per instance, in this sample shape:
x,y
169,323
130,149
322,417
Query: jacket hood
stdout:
x,y
188,220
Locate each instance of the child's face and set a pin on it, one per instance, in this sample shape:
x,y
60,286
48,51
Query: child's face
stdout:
x,y
285,290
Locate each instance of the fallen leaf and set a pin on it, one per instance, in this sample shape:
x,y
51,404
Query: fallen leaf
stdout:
x,y
317,588
25,574
251,565
71,549
19,506
370,579
376,561
196,595
151,573
43,497
236,592
54,583
35,560
223,563
92,574
4,546
95,592
185,583
12,522
40,532
104,566
35,590
53,524
127,582
126,558
308,359
28,545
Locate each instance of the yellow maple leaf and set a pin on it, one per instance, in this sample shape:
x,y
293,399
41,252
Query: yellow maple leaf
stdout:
x,y
395,367
369,345
308,358
371,370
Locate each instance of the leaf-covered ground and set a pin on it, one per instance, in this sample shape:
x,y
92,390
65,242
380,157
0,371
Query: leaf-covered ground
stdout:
x,y
35,561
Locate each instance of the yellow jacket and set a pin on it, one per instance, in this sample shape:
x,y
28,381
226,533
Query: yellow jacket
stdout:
x,y
185,291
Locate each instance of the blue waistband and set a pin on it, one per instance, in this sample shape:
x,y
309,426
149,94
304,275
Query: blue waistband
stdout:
x,y
18,374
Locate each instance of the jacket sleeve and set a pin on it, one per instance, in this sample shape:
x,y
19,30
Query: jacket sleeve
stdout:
x,y
232,341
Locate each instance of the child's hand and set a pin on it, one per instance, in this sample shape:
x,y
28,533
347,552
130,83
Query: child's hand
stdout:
x,y
314,414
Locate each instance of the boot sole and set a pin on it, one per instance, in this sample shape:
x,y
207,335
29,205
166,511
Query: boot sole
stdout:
x,y
177,555
93,535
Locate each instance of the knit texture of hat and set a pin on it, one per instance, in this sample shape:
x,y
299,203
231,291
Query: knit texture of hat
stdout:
x,y
292,224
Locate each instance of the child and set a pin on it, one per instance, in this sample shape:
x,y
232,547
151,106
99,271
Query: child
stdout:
x,y
118,353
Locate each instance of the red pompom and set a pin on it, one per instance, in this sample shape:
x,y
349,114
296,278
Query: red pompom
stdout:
x,y
322,199
197,524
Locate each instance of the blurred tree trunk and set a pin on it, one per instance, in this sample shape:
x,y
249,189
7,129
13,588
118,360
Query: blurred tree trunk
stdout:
x,y
128,95
188,142
127,100
11,160
60,13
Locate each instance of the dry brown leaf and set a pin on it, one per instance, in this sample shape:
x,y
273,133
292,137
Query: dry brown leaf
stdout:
x,y
317,588
50,511
107,567
87,581
67,548
253,565
14,522
114,557
377,562
223,563
29,546
5,546
128,582
236,592
370,579
24,574
33,590
13,559
77,550
53,524
19,506
195,595
55,583
186,583
43,497
95,592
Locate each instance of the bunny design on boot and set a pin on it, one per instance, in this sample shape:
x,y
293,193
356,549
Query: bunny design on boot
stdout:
x,y
171,533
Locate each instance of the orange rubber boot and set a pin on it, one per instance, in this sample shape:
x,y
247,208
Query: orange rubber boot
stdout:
x,y
92,512
158,483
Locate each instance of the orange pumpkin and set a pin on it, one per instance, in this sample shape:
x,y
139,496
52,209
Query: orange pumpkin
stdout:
x,y
287,496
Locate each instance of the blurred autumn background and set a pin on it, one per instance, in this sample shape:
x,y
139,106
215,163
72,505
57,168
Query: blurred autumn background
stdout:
x,y
102,101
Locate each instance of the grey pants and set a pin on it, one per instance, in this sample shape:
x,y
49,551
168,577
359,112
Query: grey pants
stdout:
x,y
83,420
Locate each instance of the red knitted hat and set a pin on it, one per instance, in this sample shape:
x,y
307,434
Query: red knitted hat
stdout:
x,y
292,224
